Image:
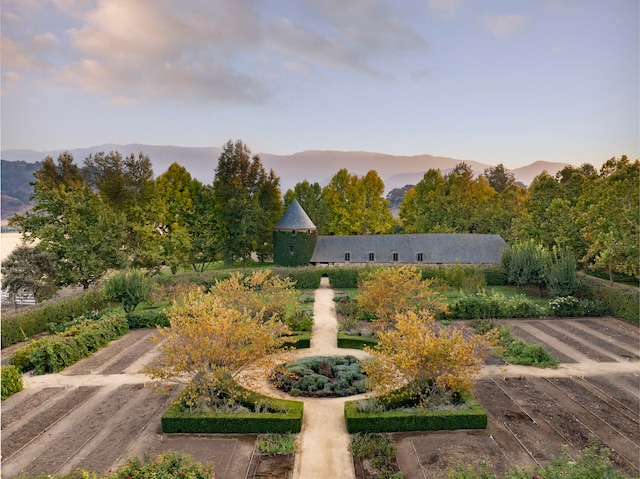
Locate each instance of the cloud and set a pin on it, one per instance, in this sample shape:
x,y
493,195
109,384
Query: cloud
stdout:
x,y
504,25
228,51
446,6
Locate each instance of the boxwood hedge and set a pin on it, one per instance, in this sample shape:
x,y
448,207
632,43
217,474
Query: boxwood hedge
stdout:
x,y
473,417
176,421
350,341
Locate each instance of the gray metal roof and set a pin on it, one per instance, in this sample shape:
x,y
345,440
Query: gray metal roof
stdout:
x,y
442,248
295,218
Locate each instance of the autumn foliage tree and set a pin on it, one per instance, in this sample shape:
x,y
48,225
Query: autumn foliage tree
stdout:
x,y
209,343
431,362
388,292
259,294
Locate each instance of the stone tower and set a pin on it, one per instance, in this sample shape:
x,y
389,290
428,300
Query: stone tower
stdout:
x,y
294,237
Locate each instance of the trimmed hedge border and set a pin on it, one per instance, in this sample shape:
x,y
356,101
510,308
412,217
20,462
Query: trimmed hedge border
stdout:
x,y
298,341
624,301
55,353
399,421
25,325
349,341
176,421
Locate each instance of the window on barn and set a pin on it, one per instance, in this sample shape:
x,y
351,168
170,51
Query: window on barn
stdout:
x,y
394,257
372,257
347,257
419,257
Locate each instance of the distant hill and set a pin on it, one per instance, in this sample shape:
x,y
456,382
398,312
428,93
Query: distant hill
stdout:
x,y
395,171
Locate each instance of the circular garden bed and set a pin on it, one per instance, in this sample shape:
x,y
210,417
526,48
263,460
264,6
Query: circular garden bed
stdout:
x,y
321,376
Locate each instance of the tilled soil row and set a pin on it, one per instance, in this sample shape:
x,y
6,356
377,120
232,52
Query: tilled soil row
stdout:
x,y
623,353
562,419
69,442
614,329
574,343
525,439
28,406
115,358
43,420
556,353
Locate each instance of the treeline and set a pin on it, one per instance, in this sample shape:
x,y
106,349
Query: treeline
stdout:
x,y
110,213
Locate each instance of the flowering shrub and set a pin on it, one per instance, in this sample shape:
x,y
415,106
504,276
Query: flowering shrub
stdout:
x,y
565,306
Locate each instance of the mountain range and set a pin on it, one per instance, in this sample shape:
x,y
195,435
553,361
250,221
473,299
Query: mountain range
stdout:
x,y
313,166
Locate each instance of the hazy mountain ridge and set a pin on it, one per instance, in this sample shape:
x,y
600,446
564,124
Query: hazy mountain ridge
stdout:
x,y
396,171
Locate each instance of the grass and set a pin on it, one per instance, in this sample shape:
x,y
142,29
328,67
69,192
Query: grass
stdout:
x,y
275,444
508,291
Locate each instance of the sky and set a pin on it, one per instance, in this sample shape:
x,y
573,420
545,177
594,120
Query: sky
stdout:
x,y
495,81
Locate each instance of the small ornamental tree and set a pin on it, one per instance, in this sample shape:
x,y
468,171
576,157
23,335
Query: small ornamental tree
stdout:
x,y
389,292
209,343
130,288
431,363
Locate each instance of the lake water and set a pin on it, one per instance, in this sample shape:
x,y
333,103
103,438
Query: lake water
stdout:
x,y
8,242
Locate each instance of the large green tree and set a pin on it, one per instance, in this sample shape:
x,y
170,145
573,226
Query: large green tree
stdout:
x,y
72,223
126,186
611,209
244,197
202,227
32,269
356,205
175,191
459,203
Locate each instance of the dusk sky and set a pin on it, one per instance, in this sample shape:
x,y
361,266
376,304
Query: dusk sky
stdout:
x,y
496,81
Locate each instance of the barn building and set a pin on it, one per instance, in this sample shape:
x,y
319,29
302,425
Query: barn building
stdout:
x,y
296,243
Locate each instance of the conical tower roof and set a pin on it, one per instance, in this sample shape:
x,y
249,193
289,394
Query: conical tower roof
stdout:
x,y
295,218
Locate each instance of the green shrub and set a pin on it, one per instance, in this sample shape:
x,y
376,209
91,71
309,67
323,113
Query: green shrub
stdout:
x,y
565,306
621,300
24,325
560,274
496,276
344,277
11,381
304,278
494,305
301,320
147,319
289,420
471,416
129,288
52,354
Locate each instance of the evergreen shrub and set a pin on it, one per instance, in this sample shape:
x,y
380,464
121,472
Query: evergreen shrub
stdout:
x,y
621,300
11,380
147,319
344,277
52,354
494,305
472,416
25,325
288,420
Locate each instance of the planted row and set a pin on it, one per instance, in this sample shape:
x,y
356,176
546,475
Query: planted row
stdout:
x,y
54,353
